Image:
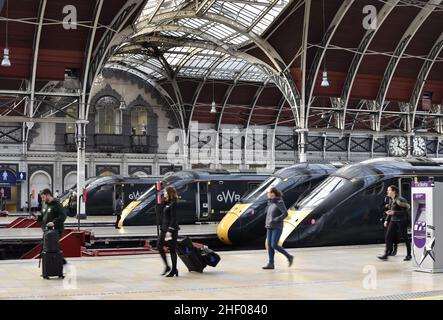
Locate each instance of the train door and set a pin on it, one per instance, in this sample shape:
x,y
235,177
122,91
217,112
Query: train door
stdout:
x,y
405,188
202,201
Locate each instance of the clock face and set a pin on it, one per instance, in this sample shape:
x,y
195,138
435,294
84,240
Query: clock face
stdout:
x,y
398,146
419,146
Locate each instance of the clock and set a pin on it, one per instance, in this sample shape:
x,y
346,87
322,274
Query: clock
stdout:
x,y
398,146
418,146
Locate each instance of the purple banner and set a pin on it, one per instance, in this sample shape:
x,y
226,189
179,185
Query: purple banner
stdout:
x,y
422,184
419,196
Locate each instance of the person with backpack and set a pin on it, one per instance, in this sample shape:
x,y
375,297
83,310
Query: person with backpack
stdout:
x,y
398,211
276,212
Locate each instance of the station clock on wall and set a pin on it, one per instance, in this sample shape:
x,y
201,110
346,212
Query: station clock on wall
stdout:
x,y
418,146
398,146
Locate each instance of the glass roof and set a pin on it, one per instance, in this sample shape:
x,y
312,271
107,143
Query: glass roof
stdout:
x,y
210,58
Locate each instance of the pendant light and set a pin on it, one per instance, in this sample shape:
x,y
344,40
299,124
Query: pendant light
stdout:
x,y
6,62
213,108
324,82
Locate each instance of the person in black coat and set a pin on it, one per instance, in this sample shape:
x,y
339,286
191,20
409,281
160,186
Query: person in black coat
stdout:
x,y
169,231
398,211
386,220
118,209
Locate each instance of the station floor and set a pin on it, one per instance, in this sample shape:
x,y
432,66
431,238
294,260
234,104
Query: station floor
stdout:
x,y
351,272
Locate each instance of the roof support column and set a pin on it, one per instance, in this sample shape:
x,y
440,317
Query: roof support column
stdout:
x,y
80,125
302,130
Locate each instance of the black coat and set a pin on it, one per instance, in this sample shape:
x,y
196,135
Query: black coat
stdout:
x,y
400,207
168,220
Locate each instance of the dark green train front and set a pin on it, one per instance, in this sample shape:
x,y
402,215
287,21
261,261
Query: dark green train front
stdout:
x,y
203,196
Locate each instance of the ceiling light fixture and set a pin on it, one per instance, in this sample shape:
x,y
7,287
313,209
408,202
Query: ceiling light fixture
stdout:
x,y
6,62
324,82
213,108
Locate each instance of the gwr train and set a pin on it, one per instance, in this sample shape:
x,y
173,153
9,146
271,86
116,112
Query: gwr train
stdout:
x,y
346,207
244,223
101,192
204,195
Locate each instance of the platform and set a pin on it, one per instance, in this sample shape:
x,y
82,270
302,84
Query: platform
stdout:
x,y
142,232
70,222
317,273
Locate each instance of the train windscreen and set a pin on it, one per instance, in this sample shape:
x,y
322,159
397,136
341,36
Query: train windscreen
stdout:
x,y
148,193
323,190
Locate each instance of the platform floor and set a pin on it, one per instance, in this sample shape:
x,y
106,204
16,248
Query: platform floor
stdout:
x,y
142,232
317,273
4,221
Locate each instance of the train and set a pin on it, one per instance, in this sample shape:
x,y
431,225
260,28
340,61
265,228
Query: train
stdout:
x,y
244,223
204,196
346,208
100,197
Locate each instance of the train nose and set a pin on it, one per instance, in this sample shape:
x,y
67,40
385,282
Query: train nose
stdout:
x,y
127,212
291,222
227,225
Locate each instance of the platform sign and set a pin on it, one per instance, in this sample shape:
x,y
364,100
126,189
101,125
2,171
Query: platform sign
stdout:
x,y
21,176
7,176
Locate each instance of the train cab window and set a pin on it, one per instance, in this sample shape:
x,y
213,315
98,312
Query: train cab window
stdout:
x,y
379,188
325,188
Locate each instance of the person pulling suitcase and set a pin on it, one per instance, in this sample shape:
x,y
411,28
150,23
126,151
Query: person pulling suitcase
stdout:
x,y
53,215
169,231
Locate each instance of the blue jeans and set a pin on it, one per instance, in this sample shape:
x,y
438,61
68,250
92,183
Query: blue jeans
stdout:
x,y
273,235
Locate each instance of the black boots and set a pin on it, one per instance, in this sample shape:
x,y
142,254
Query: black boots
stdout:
x,y
167,269
394,250
407,258
290,260
268,267
383,257
173,272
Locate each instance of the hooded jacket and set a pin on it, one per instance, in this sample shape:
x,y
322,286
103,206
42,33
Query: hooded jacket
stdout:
x,y
276,212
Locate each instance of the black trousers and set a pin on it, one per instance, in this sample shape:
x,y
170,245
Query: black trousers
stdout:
x,y
172,244
394,228
118,220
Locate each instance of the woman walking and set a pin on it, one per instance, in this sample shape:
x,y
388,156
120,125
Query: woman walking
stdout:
x,y
169,231
275,214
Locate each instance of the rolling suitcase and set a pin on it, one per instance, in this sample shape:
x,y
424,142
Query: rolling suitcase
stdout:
x,y
191,256
211,258
52,264
51,241
51,256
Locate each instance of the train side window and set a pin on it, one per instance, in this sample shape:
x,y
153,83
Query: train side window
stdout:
x,y
375,190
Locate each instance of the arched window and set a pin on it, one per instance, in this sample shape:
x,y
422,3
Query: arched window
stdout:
x,y
108,116
139,121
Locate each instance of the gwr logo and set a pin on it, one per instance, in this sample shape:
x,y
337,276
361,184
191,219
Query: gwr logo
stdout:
x,y
228,196
134,195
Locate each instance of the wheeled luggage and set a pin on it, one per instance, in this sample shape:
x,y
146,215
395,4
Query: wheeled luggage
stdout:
x,y
191,256
211,258
51,241
52,264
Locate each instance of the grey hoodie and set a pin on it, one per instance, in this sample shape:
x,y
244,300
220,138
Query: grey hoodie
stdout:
x,y
275,214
